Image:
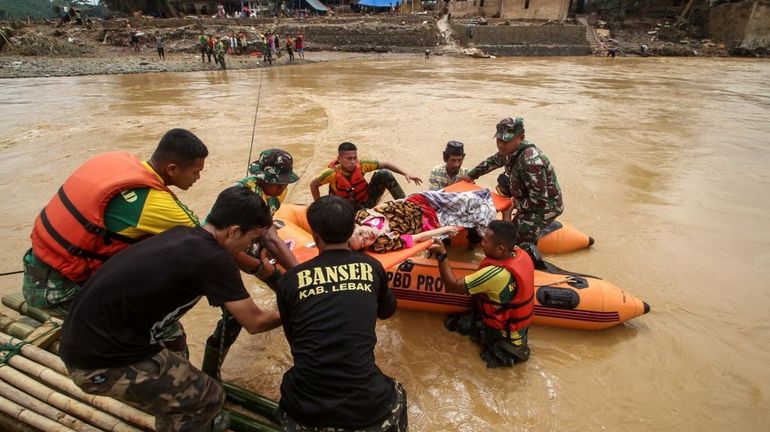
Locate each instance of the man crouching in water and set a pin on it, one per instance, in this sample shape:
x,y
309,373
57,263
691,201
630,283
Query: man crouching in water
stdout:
x,y
111,342
503,296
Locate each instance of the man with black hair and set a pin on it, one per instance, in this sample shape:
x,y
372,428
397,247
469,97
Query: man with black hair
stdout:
x,y
111,341
108,203
451,170
503,296
345,177
329,306
269,177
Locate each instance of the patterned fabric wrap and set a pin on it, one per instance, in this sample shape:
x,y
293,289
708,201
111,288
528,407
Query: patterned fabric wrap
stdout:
x,y
473,209
166,385
402,217
396,421
429,216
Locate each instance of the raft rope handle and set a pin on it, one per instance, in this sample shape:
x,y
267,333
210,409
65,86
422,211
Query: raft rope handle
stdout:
x,y
254,126
567,279
15,349
12,273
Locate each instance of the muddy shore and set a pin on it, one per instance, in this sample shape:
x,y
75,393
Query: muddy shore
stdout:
x,y
45,50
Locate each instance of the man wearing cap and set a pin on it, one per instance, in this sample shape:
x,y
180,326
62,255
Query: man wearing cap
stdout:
x,y
451,171
529,179
269,177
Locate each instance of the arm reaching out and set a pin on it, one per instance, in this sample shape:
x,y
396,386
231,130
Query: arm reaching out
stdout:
x,y
394,168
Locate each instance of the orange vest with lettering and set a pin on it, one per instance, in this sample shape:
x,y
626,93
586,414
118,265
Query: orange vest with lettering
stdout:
x,y
518,313
69,234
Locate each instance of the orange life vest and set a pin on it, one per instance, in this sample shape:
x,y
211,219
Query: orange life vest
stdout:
x,y
356,188
69,233
517,314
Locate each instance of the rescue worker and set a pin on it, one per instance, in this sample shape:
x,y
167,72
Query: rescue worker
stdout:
x,y
345,177
110,343
529,180
107,204
503,296
271,173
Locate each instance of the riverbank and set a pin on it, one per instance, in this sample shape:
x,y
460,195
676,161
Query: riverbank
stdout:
x,y
45,50
127,62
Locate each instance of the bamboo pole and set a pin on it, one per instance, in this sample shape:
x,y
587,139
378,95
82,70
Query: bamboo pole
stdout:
x,y
13,326
16,302
10,423
36,354
65,403
12,393
63,383
30,417
254,402
242,423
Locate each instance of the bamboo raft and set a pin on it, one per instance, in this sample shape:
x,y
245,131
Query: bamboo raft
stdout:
x,y
36,393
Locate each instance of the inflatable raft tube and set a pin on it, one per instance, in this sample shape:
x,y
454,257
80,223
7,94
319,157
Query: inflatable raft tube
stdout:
x,y
565,299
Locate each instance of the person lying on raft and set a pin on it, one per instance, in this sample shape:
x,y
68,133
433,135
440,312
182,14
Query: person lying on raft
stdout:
x,y
400,224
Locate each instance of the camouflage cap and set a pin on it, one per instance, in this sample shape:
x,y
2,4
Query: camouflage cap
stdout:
x,y
509,128
274,166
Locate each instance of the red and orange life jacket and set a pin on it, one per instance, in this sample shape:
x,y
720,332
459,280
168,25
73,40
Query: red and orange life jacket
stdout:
x,y
517,314
355,188
69,234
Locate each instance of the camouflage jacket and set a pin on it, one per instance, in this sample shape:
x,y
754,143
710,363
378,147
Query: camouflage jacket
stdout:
x,y
533,180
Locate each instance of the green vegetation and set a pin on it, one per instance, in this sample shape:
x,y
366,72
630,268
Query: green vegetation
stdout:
x,y
38,9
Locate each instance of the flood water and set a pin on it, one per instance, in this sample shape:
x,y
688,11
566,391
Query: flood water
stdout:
x,y
663,161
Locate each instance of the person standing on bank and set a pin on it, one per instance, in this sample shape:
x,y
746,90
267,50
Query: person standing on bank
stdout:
x,y
159,46
529,179
110,342
503,296
451,171
345,177
330,307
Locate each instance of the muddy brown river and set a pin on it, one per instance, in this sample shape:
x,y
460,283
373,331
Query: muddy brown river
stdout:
x,y
663,161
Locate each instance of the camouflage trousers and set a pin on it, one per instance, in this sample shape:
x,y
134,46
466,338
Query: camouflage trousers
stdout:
x,y
181,397
395,421
497,351
528,223
47,289
381,180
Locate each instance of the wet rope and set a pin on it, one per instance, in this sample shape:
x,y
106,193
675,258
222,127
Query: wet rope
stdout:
x,y
12,349
568,279
254,126
12,273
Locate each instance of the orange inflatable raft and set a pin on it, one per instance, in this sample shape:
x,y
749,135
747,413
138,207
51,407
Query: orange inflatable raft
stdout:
x,y
562,300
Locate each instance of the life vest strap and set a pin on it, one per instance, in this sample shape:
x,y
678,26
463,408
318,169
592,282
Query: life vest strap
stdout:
x,y
69,247
90,226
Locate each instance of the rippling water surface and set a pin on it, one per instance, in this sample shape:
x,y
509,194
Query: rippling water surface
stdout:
x,y
663,161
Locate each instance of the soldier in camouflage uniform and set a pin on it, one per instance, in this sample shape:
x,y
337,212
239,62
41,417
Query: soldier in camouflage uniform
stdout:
x,y
269,177
110,342
529,179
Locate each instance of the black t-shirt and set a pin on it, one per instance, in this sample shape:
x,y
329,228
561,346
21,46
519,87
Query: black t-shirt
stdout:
x,y
118,316
329,307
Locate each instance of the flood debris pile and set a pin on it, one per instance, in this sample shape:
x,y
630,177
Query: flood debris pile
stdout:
x,y
33,43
